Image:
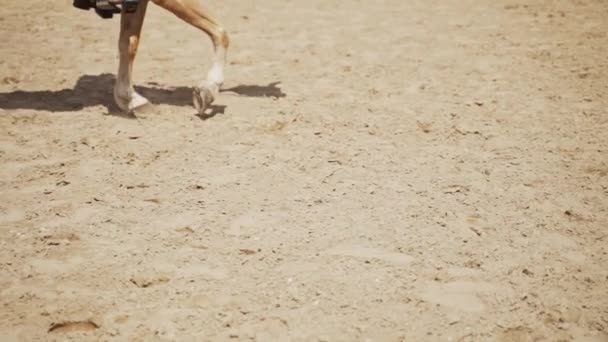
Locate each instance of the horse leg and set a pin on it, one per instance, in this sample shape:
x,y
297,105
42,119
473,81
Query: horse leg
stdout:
x,y
194,14
130,30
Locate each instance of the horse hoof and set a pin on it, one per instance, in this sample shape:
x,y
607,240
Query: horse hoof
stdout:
x,y
202,99
129,104
137,101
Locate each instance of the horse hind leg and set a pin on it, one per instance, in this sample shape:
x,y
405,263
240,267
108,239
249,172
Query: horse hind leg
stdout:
x,y
131,24
194,14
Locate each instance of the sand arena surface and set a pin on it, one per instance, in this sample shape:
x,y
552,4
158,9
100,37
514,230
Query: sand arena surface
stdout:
x,y
374,171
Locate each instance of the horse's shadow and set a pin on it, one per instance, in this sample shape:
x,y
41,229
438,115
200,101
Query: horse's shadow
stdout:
x,y
95,90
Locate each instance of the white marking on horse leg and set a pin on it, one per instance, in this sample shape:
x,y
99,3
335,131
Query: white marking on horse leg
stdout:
x,y
130,30
209,89
215,76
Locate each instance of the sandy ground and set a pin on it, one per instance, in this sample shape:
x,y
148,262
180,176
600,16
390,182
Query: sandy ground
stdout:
x,y
374,171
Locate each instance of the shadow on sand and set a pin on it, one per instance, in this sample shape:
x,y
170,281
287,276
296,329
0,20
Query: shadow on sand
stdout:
x,y
94,90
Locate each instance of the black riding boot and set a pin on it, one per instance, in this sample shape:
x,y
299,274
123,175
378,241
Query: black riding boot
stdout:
x,y
83,4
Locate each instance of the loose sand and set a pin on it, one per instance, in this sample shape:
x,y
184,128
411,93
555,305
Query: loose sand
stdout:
x,y
374,171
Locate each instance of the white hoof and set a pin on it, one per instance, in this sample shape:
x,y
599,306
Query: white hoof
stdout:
x,y
202,98
129,103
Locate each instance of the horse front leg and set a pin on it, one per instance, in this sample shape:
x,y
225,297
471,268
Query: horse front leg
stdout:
x,y
196,15
131,24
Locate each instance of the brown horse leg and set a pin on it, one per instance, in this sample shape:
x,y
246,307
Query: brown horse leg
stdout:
x,y
130,30
194,14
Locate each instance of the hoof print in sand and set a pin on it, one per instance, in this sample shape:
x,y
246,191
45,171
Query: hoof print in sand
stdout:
x,y
73,326
60,239
366,253
145,282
